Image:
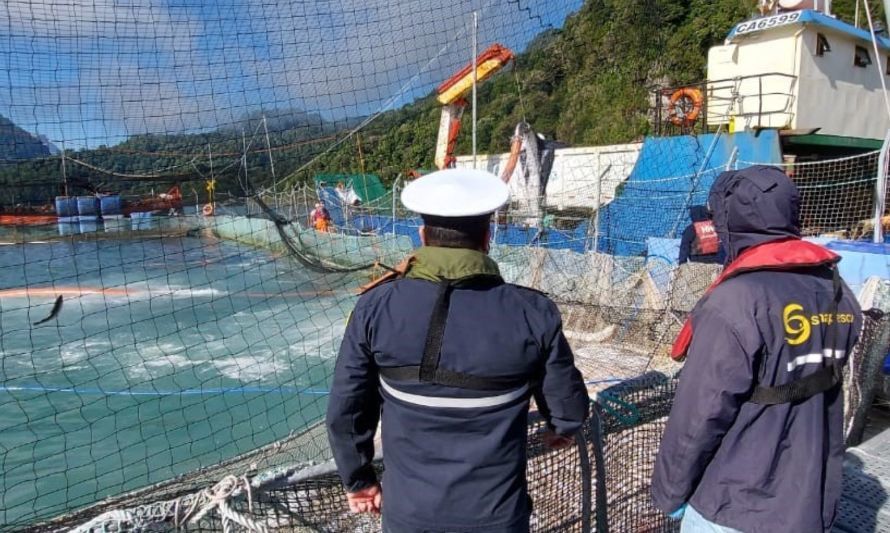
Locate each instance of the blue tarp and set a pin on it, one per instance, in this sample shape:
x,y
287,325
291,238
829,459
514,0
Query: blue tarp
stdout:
x,y
328,196
671,174
859,260
667,178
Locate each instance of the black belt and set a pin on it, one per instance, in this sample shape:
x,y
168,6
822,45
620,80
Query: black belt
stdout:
x,y
823,380
429,370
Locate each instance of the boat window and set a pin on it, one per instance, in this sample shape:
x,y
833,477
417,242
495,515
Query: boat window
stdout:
x,y
861,57
888,66
822,45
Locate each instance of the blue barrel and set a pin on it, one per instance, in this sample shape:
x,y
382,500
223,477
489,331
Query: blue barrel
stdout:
x,y
68,228
88,206
66,206
114,223
142,220
68,220
110,205
88,226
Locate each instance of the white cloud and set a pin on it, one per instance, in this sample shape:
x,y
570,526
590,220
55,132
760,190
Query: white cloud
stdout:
x,y
133,66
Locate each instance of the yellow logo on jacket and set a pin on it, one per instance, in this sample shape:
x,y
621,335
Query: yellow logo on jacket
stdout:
x,y
799,325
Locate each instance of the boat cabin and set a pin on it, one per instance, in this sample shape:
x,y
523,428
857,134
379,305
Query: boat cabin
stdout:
x,y
802,71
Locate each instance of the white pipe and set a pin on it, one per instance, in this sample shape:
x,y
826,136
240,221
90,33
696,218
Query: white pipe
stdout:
x,y
395,194
881,190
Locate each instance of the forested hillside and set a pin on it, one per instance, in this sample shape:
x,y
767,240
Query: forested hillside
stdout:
x,y
587,83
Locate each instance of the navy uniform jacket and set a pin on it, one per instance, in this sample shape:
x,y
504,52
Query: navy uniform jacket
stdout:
x,y
454,458
747,466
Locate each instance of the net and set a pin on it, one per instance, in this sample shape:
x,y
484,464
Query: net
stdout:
x,y
184,332
171,305
837,195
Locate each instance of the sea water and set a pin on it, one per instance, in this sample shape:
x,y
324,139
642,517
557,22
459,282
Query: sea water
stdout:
x,y
167,355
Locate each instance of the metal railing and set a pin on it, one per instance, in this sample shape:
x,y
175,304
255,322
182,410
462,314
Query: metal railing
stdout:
x,y
755,100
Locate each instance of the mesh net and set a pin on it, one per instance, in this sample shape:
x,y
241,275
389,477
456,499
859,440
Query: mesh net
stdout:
x,y
170,310
837,195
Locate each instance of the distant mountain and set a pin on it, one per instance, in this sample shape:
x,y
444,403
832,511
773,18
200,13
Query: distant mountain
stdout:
x,y
284,120
53,149
18,144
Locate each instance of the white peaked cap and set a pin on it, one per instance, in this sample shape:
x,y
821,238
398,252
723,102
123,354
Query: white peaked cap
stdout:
x,y
456,192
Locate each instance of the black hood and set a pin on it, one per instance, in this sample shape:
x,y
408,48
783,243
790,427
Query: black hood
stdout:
x,y
753,206
699,213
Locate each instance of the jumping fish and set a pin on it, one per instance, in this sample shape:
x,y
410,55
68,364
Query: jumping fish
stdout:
x,y
54,313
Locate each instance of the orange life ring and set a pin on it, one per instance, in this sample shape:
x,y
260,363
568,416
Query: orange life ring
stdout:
x,y
685,106
207,210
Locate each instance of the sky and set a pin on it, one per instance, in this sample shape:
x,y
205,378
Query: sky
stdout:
x,y
87,73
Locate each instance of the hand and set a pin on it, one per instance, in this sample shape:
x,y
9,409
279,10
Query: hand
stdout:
x,y
367,500
678,514
556,442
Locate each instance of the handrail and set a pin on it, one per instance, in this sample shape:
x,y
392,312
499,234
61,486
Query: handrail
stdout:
x,y
714,97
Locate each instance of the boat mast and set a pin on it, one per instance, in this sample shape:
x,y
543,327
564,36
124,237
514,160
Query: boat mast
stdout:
x,y
246,184
212,184
64,169
271,161
475,76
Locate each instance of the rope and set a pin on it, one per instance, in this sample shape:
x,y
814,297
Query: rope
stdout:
x,y
311,263
188,510
141,177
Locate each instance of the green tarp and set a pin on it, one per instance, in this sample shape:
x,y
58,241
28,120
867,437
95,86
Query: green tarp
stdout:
x,y
368,187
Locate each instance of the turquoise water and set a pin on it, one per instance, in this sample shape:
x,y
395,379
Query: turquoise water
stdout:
x,y
167,355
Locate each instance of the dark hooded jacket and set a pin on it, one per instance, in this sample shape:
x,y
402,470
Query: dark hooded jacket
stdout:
x,y
688,248
742,465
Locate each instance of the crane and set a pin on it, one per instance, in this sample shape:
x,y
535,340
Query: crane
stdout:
x,y
451,95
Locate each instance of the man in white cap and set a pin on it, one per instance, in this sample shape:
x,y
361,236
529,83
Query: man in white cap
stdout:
x,y
451,355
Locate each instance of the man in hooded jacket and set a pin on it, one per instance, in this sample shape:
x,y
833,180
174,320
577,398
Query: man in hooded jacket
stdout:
x,y
699,243
754,441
